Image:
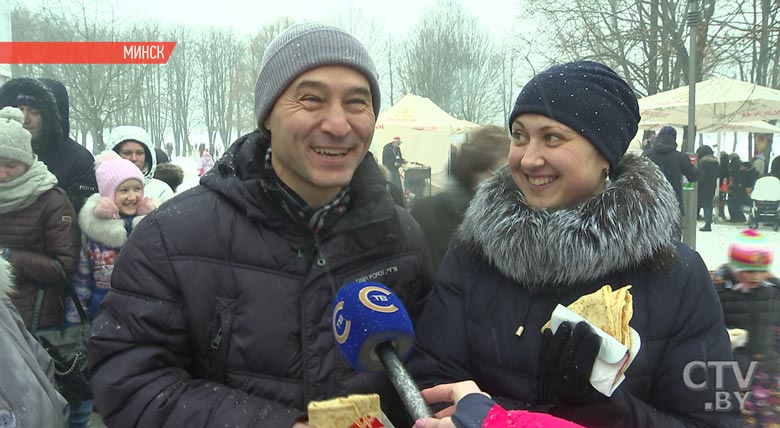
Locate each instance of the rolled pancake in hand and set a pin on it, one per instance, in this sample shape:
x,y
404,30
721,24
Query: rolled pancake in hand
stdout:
x,y
611,311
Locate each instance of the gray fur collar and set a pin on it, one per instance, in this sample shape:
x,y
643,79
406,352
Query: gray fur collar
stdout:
x,y
632,223
110,232
6,284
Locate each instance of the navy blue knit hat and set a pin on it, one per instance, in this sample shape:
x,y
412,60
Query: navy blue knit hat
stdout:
x,y
668,130
589,98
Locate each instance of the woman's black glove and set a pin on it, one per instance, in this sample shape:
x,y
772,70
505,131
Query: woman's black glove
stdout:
x,y
566,362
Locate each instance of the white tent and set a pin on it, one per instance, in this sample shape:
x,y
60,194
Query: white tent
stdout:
x,y
749,126
718,101
426,131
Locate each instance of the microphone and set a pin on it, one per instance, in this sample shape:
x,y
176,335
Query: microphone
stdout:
x,y
374,332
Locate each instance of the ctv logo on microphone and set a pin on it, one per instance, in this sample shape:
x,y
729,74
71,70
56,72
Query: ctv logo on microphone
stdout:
x,y
374,298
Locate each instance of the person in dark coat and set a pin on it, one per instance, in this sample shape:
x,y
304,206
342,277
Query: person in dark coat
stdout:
x,y
709,169
740,190
774,169
392,159
220,306
439,215
395,192
750,296
673,163
551,227
46,106
162,157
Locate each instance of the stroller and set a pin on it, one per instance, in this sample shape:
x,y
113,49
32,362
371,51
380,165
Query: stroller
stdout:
x,y
766,202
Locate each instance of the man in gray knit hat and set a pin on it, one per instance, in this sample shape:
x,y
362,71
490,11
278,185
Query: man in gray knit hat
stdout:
x,y
220,308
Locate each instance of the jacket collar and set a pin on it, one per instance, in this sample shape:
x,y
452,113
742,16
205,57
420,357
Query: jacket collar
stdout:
x,y
631,224
239,173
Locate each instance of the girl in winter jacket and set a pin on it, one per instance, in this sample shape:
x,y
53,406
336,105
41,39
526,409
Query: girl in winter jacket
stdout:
x,y
106,220
568,215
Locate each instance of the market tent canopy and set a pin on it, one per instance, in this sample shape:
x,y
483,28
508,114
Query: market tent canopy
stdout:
x,y
718,101
756,126
426,131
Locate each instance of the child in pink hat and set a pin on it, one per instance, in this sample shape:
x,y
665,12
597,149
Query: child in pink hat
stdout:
x,y
106,220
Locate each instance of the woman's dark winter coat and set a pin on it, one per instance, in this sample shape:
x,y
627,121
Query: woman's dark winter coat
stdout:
x,y
709,169
220,308
439,215
511,265
673,164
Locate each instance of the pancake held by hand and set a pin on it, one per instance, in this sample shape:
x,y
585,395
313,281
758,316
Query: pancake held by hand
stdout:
x,y
610,311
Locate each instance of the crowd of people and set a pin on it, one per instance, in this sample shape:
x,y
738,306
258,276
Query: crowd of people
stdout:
x,y
212,307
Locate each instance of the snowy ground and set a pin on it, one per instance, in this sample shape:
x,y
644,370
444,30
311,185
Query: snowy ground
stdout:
x,y
713,246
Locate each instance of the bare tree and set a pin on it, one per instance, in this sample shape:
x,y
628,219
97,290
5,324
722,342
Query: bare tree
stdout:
x,y
219,53
246,77
95,94
643,40
451,59
181,84
378,42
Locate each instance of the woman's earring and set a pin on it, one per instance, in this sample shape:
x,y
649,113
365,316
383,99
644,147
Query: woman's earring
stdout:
x,y
606,172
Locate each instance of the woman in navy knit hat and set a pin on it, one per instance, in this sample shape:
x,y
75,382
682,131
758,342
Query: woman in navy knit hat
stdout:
x,y
569,214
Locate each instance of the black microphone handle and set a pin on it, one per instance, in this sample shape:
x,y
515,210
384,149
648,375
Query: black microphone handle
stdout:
x,y
403,383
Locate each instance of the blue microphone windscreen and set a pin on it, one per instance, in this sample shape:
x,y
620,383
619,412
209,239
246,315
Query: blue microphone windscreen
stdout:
x,y
366,314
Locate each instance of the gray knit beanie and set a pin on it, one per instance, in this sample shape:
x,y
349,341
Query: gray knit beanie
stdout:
x,y
14,139
303,47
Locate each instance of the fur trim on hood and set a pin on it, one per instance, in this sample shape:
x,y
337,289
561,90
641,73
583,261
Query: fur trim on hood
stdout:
x,y
6,278
633,223
110,232
47,104
120,134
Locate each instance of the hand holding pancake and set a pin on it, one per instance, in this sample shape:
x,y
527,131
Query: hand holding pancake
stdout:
x,y
565,363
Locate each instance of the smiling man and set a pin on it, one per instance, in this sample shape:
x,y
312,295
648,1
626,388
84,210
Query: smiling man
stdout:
x,y
219,313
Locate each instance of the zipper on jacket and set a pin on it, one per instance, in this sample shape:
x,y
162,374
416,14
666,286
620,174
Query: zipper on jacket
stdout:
x,y
220,344
217,339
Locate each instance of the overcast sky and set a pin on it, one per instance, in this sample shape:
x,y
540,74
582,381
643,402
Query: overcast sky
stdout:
x,y
397,16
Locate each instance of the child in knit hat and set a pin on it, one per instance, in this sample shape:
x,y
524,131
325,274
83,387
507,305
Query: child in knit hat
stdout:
x,y
106,220
750,296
